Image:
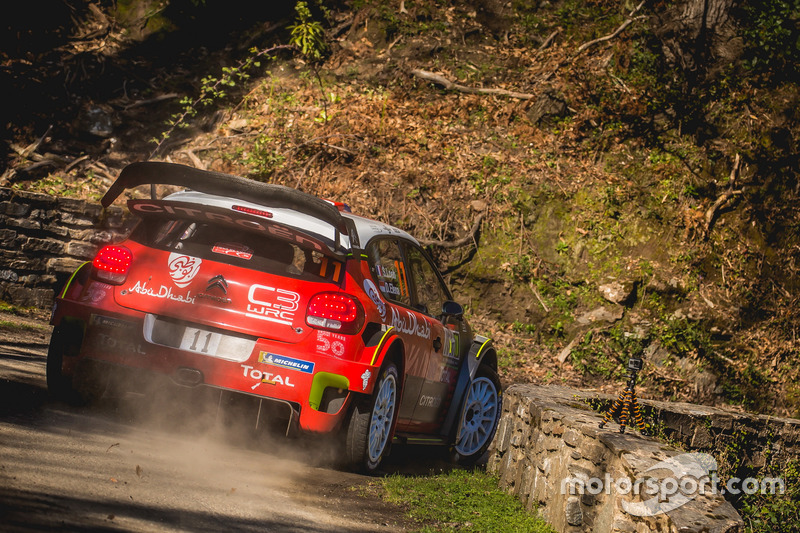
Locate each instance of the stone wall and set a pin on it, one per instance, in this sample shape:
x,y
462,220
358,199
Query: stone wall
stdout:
x,y
551,434
43,239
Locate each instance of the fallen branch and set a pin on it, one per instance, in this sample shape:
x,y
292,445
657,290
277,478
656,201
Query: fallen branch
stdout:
x,y
306,167
76,162
102,171
723,198
319,138
196,162
155,100
334,147
469,238
549,40
27,152
628,22
538,297
452,86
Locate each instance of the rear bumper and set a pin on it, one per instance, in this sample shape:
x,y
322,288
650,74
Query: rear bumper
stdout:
x,y
313,390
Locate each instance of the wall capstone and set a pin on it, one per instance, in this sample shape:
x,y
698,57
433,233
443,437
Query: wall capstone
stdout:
x,y
549,435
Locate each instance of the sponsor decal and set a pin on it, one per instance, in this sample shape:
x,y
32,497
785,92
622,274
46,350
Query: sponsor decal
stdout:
x,y
110,322
233,249
183,268
95,292
220,299
265,377
272,304
328,342
113,334
410,324
429,401
112,343
274,359
372,292
449,375
365,379
383,228
451,344
163,292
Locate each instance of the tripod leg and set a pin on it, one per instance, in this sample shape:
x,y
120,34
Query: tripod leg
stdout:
x,y
617,405
637,415
626,408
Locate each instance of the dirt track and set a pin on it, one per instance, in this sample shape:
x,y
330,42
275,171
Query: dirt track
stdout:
x,y
116,467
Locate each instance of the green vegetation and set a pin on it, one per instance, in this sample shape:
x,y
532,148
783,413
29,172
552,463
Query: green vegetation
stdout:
x,y
461,500
774,513
308,34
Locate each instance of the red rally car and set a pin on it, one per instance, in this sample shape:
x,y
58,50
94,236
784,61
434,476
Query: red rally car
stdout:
x,y
330,321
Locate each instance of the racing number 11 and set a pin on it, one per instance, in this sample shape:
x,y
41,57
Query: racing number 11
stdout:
x,y
193,347
200,341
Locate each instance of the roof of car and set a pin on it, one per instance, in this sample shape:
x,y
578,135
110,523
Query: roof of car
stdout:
x,y
367,229
285,205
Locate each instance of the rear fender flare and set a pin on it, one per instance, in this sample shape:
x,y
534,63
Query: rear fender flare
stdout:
x,y
389,346
76,281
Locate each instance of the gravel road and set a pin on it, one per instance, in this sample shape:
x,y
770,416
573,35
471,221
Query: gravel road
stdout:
x,y
130,465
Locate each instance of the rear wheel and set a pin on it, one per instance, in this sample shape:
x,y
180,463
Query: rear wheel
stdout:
x,y
65,340
479,417
370,426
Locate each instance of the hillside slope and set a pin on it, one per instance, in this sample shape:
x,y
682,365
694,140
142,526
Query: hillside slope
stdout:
x,y
596,179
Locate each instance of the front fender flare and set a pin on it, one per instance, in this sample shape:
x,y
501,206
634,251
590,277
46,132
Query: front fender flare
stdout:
x,y
481,352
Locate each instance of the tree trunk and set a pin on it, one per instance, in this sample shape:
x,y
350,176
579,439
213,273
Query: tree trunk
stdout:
x,y
698,36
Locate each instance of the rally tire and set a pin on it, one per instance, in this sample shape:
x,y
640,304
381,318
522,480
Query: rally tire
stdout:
x,y
371,421
480,416
65,340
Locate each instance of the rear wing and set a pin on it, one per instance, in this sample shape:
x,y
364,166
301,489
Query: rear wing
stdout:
x,y
227,185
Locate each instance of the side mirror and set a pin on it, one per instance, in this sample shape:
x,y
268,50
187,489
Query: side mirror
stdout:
x,y
454,309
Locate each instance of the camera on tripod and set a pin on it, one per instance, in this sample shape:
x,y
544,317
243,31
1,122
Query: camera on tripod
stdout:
x,y
626,406
635,364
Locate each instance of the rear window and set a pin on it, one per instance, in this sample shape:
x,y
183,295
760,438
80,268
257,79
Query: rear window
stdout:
x,y
236,247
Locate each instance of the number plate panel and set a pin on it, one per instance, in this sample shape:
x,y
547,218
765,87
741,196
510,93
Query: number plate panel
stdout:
x,y
176,334
200,341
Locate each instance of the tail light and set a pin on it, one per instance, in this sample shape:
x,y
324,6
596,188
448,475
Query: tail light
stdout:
x,y
335,311
111,264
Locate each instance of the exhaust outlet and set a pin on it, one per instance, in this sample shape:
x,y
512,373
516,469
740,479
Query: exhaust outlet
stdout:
x,y
189,377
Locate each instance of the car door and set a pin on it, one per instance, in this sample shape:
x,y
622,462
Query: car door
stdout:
x,y
446,349
390,273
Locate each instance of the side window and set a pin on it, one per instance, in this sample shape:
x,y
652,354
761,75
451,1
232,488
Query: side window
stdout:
x,y
430,293
389,270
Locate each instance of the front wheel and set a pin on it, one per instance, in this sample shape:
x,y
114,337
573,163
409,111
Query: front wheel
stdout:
x,y
370,426
479,416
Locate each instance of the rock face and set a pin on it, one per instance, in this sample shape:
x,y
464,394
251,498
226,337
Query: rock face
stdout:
x,y
551,453
617,292
44,239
